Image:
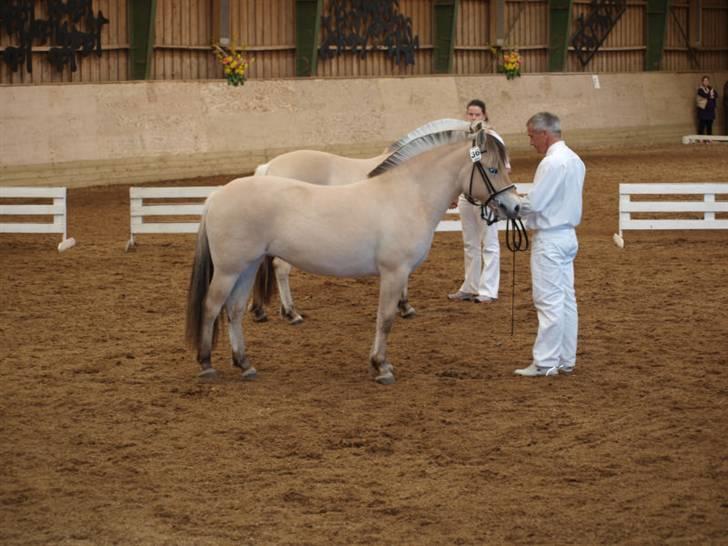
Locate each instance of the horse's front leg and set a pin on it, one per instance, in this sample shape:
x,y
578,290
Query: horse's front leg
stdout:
x,y
288,311
391,287
405,309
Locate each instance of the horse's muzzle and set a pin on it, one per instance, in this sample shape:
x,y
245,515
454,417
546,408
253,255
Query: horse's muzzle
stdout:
x,y
507,206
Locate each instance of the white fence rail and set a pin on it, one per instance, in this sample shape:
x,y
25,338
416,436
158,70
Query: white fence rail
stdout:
x,y
194,200
708,206
57,210
189,201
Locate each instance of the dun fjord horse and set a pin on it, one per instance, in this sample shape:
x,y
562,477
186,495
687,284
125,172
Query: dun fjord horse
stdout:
x,y
383,226
327,169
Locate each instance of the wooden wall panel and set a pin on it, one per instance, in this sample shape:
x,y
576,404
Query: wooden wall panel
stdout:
x,y
526,28
183,38
623,50
710,45
472,53
376,63
675,56
715,36
267,28
111,66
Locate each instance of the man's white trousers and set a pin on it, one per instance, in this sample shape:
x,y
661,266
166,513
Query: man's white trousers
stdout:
x,y
482,252
552,273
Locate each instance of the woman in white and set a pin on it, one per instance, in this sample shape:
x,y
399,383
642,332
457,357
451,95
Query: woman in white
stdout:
x,y
482,247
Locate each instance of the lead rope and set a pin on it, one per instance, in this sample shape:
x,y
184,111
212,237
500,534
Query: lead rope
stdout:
x,y
516,241
513,295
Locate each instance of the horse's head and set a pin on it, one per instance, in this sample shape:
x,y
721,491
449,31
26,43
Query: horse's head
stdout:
x,y
486,179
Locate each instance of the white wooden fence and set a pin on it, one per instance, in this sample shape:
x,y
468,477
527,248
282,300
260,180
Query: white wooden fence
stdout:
x,y
147,217
56,209
708,206
194,197
694,139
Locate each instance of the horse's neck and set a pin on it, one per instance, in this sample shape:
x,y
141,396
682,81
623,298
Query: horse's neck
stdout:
x,y
437,171
433,178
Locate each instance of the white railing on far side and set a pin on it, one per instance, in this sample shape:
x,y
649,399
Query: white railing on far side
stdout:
x,y
189,201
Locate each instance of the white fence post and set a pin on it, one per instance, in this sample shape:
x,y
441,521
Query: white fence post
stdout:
x,y
57,209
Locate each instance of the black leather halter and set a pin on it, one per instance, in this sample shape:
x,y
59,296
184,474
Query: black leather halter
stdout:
x,y
516,235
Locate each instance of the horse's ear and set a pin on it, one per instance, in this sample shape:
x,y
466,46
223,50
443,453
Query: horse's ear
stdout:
x,y
477,126
481,138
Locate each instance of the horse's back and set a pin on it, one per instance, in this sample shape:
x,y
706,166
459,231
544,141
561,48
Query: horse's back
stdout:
x,y
316,167
255,195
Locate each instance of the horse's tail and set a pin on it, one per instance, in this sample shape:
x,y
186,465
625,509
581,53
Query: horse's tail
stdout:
x,y
265,282
262,170
202,271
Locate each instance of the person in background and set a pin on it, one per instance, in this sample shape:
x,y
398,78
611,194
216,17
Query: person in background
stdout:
x,y
706,100
552,209
481,244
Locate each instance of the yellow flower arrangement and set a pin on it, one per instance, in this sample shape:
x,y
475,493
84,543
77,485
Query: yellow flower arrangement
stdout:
x,y
512,63
234,63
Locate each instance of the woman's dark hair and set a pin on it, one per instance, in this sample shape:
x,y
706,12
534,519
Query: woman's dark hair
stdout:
x,y
480,104
477,102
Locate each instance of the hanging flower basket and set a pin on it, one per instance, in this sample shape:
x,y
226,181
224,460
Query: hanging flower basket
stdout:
x,y
512,61
234,63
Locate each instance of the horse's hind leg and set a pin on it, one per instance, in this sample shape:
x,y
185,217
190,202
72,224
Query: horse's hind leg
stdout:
x,y
405,309
257,309
235,307
288,311
218,292
257,304
391,287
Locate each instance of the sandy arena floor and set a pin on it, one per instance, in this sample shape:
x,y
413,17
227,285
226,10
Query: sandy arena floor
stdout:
x,y
107,437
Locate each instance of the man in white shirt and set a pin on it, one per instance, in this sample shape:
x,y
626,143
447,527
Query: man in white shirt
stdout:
x,y
552,209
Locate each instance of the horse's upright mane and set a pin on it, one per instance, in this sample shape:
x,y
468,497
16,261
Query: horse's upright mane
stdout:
x,y
486,140
417,146
436,126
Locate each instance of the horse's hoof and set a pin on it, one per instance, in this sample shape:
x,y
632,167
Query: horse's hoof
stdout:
x,y
407,312
260,317
386,378
377,371
292,316
208,374
250,374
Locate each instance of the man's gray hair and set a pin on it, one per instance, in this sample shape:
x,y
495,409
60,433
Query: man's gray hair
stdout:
x,y
545,121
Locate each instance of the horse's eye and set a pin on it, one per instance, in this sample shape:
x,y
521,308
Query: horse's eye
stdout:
x,y
493,170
